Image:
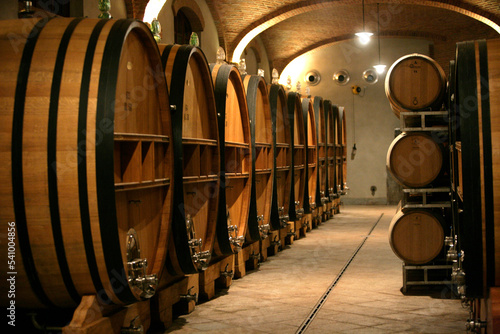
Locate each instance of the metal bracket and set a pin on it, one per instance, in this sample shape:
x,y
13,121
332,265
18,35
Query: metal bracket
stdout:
x,y
475,325
227,273
133,328
142,284
276,242
199,257
190,296
264,229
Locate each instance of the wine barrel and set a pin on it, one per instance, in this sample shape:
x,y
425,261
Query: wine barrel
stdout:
x,y
311,155
415,159
282,146
341,151
196,151
331,112
477,75
415,82
259,112
319,107
86,176
416,236
298,177
236,174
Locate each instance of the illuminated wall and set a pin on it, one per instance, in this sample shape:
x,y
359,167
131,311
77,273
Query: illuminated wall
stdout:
x,y
369,115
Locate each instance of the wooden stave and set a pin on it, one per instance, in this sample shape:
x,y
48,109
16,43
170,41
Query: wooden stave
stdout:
x,y
298,181
476,74
259,111
311,148
224,76
398,106
331,117
433,249
342,152
68,36
281,129
177,62
320,113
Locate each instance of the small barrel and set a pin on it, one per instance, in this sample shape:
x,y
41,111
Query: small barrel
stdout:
x,y
298,179
311,155
417,235
282,146
86,175
236,162
262,152
415,82
322,168
196,152
415,159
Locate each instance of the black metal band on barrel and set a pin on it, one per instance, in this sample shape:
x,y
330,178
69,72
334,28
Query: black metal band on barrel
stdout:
x,y
220,91
82,165
317,109
291,98
327,108
104,146
55,217
487,162
176,98
470,222
273,103
336,177
305,111
252,89
17,164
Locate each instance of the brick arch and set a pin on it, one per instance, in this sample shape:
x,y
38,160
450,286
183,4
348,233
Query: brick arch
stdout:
x,y
192,11
136,8
286,12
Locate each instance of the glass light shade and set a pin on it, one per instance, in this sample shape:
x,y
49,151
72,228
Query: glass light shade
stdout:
x,y
364,37
221,55
379,68
242,66
275,77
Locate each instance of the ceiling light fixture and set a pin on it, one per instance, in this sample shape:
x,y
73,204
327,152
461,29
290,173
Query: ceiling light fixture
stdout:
x,y
379,68
364,36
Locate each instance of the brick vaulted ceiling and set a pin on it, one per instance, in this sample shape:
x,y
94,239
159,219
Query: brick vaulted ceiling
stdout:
x,y
289,28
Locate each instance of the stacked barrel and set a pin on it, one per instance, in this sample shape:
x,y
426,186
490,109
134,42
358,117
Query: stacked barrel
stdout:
x,y
135,171
474,102
418,159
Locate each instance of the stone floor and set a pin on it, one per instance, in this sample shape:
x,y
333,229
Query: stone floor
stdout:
x,y
293,286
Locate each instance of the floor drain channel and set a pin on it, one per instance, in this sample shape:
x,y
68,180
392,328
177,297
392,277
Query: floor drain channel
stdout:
x,y
323,298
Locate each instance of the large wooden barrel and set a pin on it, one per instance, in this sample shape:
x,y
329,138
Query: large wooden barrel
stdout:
x,y
298,177
86,152
331,113
477,97
259,112
236,162
196,153
415,159
311,155
341,151
415,82
322,168
282,146
416,236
